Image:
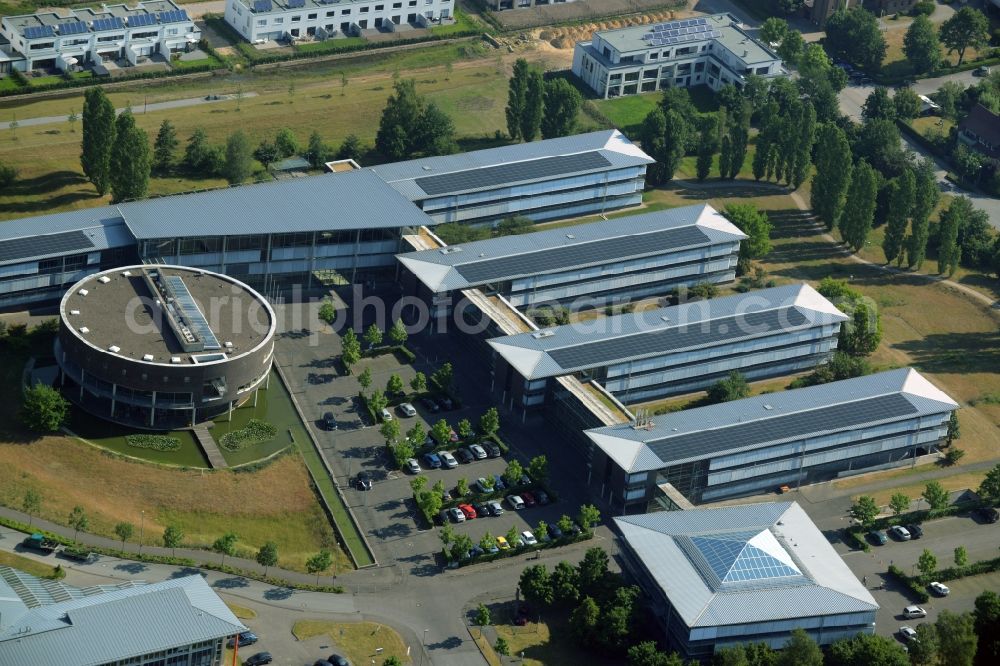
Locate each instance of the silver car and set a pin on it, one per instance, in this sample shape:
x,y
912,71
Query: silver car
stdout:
x,y
912,612
495,507
406,409
478,452
447,459
412,466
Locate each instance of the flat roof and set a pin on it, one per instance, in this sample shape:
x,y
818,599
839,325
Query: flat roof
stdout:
x,y
493,168
745,564
632,336
122,313
578,246
87,230
769,419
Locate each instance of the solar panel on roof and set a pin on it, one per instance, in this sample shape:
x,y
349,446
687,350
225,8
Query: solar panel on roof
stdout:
x,y
139,20
40,246
174,16
580,254
262,5
112,23
74,28
825,418
511,173
38,31
296,4
188,308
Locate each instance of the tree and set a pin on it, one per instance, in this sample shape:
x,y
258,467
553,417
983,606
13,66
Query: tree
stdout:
x,y
565,586
377,401
853,35
651,136
267,556
198,154
833,174
792,46
31,503
756,225
164,146
130,162
954,431
534,101
419,383
953,456
589,517
878,105
867,650
225,545
725,155
927,563
434,133
350,149
517,91
98,138
536,585
864,510
925,199
172,537
8,175
489,422
514,225
390,432
394,386
900,204
616,618
703,291
773,30
512,475
124,532
935,495
397,333
392,661
267,154
987,627
859,206
78,520
462,487
565,525
396,132
373,336
961,556
899,503
416,435
483,616
487,542
863,335
739,136
441,432
906,103
878,143
924,650
952,218
805,137
350,349
464,428
239,158
592,569
967,27
989,489
538,469
921,45
319,563
43,409
583,620
957,638
800,650
647,654
501,647
442,378
562,103
286,142
733,387
317,152
706,150
365,379
72,118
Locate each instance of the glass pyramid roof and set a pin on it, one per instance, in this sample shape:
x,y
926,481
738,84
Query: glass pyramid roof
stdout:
x,y
752,555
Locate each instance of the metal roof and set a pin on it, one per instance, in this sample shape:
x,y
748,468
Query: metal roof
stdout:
x,y
117,624
549,251
34,238
612,145
328,202
635,335
773,418
545,167
803,576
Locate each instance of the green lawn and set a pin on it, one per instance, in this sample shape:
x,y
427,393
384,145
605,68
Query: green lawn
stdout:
x,y
112,437
627,113
274,406
181,65
331,45
462,24
358,640
30,566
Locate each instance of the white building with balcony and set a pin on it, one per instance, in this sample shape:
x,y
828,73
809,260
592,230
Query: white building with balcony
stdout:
x,y
710,50
51,41
262,20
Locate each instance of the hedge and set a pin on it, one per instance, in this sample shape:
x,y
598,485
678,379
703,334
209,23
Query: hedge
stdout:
x,y
514,551
915,587
255,432
155,442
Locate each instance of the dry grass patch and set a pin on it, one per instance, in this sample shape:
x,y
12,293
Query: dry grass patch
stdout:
x,y
951,483
242,612
357,640
30,566
544,643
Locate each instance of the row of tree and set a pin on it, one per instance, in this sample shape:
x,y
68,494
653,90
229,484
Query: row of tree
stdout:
x,y
115,152
539,107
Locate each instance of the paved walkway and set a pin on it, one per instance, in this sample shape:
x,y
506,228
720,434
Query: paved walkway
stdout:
x,y
208,445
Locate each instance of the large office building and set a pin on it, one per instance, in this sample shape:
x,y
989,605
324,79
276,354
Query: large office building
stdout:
x,y
570,176
759,444
262,20
645,355
47,40
178,622
736,575
586,265
162,346
711,50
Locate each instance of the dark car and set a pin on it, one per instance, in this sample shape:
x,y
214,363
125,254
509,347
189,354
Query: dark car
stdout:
x,y
464,456
363,481
259,659
482,509
915,531
337,660
445,402
987,514
529,498
430,405
244,637
492,448
878,537
322,662
329,422
441,517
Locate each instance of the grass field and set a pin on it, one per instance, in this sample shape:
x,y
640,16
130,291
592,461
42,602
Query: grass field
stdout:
x,y
895,62
356,640
547,643
30,566
628,112
242,612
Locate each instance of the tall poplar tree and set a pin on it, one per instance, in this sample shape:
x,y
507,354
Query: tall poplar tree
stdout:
x,y
805,132
98,138
925,199
900,205
534,101
952,219
130,160
859,209
517,90
833,174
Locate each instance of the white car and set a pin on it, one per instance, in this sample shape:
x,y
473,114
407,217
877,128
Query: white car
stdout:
x,y
939,589
912,612
456,514
908,633
478,452
515,502
386,414
528,538
900,532
412,466
447,459
406,409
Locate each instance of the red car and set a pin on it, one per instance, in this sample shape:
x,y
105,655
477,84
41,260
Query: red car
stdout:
x,y
467,509
529,499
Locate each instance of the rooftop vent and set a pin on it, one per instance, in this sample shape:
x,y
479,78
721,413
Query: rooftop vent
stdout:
x,y
482,254
543,334
74,312
147,357
229,345
114,349
127,273
84,329
83,292
768,407
104,279
570,236
450,250
665,318
425,168
175,359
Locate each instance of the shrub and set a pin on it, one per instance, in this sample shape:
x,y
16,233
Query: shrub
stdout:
x,y
155,442
925,7
255,432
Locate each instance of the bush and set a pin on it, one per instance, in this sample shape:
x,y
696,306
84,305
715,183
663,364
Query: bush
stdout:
x,y
256,432
912,583
925,7
155,442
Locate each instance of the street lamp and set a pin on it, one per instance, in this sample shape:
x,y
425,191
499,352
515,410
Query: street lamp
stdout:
x,y
142,525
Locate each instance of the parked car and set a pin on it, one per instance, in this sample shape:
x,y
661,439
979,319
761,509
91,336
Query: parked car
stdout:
x,y
482,509
502,543
430,405
515,502
542,497
363,481
445,496
386,414
464,456
529,499
987,514
478,452
259,659
900,532
456,514
528,538
495,507
406,409
482,485
908,633
981,71
912,612
337,660
441,517
447,460
492,448
330,423
322,662
445,402
878,537
916,531
498,483
939,589
453,436
412,466
244,637
467,509
41,543
432,460
555,532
